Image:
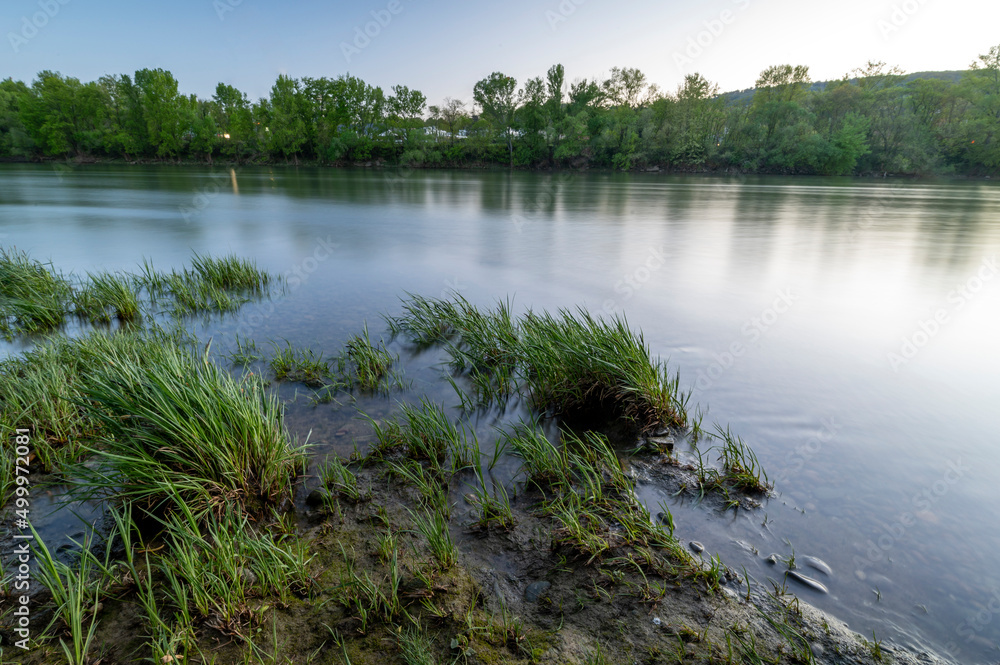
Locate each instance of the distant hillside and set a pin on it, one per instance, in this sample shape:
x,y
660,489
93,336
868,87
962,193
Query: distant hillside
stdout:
x,y
818,86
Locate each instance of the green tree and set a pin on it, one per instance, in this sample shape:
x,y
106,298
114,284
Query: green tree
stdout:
x,y
495,96
14,139
233,119
451,114
286,128
162,111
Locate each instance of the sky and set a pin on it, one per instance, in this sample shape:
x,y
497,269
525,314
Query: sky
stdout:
x,y
442,47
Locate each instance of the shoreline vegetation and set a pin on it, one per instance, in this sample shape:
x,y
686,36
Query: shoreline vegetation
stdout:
x,y
876,120
220,547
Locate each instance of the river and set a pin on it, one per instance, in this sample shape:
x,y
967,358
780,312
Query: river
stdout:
x,y
846,329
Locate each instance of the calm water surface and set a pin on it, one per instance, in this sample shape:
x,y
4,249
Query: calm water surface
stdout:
x,y
846,329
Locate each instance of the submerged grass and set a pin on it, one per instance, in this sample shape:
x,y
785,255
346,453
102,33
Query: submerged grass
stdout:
x,y
426,433
230,273
35,298
366,365
301,365
568,364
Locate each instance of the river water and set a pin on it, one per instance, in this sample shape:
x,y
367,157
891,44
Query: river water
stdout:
x,y
845,329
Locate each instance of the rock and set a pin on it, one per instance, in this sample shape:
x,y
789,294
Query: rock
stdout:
x,y
657,622
662,443
696,547
816,585
536,590
817,649
773,559
247,576
818,564
340,432
317,497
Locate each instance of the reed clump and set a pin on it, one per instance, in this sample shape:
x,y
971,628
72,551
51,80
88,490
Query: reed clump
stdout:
x,y
34,297
105,295
42,389
184,427
567,364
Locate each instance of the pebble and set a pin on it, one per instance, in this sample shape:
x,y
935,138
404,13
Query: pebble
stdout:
x,y
808,581
657,622
817,649
696,547
536,590
340,432
662,443
773,559
247,576
818,564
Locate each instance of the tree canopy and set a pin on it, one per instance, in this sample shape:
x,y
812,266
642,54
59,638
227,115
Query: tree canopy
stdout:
x,y
873,120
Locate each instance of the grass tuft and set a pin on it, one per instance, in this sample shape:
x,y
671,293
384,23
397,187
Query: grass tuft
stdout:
x,y
183,427
570,364
301,365
105,295
33,297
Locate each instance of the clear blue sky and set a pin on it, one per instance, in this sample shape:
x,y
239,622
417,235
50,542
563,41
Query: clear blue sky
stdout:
x,y
442,47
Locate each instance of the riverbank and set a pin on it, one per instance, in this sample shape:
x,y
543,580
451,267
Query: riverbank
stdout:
x,y
378,164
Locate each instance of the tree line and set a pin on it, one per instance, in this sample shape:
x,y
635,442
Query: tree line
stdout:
x,y
873,120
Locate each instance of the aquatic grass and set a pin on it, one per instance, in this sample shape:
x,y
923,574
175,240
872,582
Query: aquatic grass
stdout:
x,y
75,597
7,484
368,365
386,546
569,364
299,365
544,463
580,526
369,599
230,273
211,284
740,465
222,565
588,496
433,525
337,477
431,487
41,389
33,395
425,321
505,627
106,294
33,296
191,296
579,363
493,507
245,352
183,427
425,432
